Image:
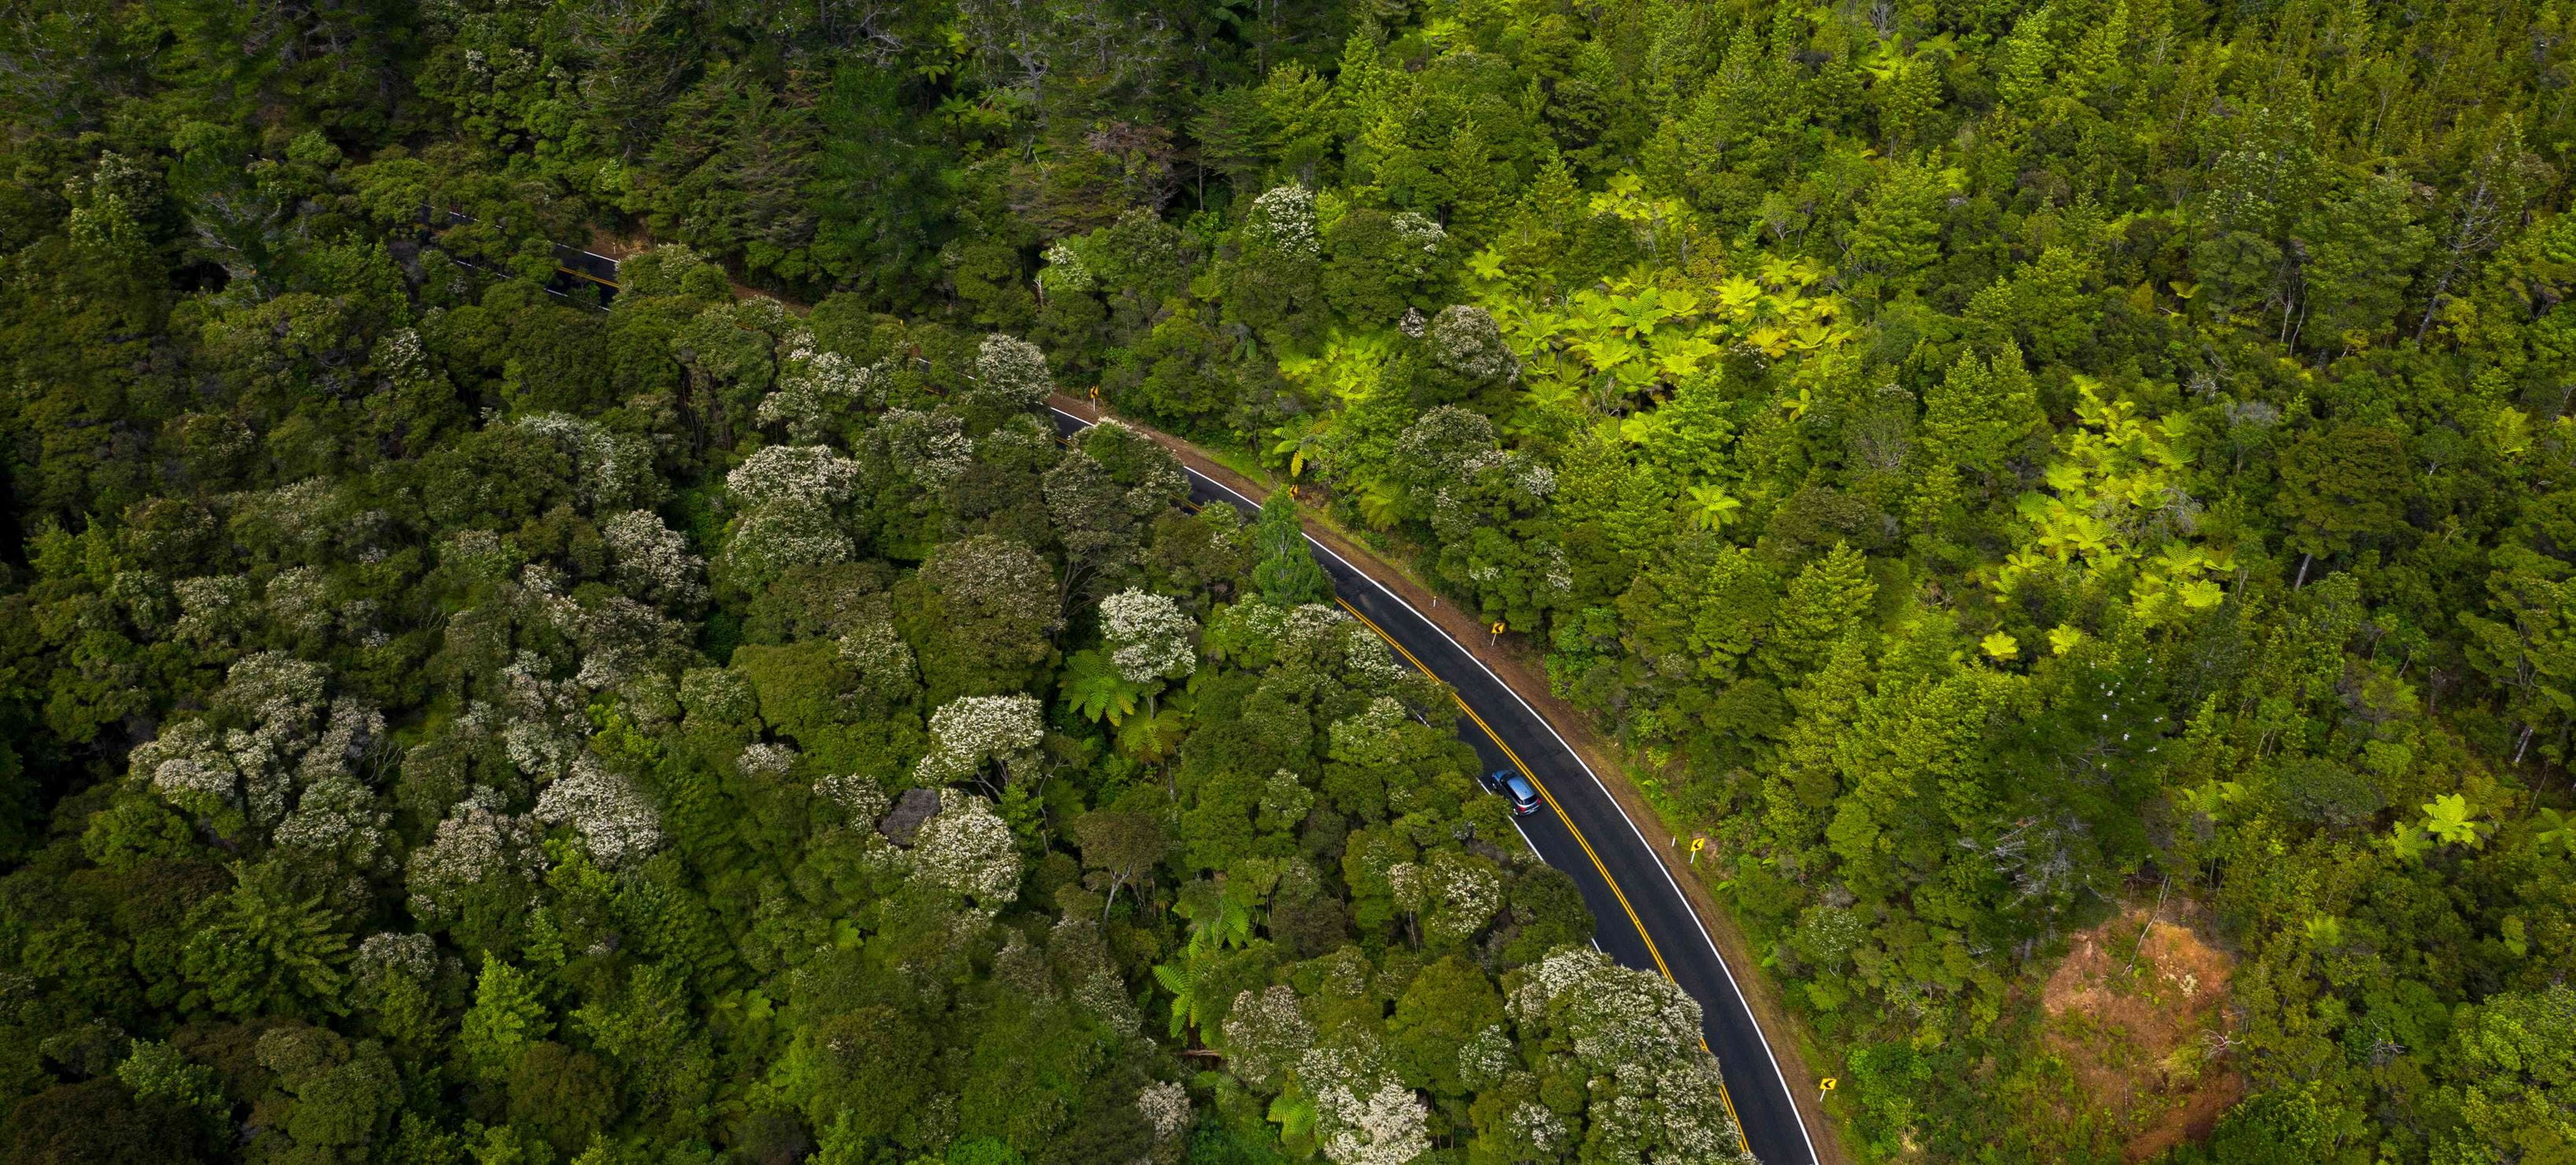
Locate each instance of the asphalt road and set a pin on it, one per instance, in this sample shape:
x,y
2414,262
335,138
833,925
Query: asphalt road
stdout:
x,y
1641,918
573,266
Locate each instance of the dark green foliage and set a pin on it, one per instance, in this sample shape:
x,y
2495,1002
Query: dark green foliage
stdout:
x,y
1985,466
1286,572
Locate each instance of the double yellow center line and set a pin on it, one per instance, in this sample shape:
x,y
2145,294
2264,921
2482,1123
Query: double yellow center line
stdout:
x,y
1570,828
1540,785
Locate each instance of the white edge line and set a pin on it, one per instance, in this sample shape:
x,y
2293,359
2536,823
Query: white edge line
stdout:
x,y
1732,986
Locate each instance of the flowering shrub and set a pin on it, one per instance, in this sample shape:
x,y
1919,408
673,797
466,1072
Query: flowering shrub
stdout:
x,y
1283,219
1466,340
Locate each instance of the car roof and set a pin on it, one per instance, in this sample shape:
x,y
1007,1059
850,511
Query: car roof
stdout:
x,y
1520,784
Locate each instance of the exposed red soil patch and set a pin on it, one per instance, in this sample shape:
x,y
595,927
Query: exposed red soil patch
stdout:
x,y
613,245
2132,1011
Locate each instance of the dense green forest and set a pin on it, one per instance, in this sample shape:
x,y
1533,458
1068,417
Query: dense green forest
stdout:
x,y
1992,467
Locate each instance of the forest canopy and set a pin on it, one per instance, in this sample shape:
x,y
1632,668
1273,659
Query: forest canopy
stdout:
x,y
1993,468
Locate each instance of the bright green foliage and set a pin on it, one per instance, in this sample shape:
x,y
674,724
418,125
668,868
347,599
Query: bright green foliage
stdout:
x,y
1096,689
2515,1078
2114,511
507,1018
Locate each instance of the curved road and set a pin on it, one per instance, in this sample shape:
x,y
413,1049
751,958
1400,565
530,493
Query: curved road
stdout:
x,y
1642,919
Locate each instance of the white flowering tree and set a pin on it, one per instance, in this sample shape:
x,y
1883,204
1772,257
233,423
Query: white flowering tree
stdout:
x,y
1013,371
966,848
1351,1106
1282,219
980,613
885,662
617,825
275,760
1150,639
1450,895
1165,1105
790,496
1265,1034
542,726
481,862
1151,642
1466,341
652,562
1600,1020
819,393
971,731
611,471
215,611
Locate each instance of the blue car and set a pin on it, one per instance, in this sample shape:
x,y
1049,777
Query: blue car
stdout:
x,y
1523,794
